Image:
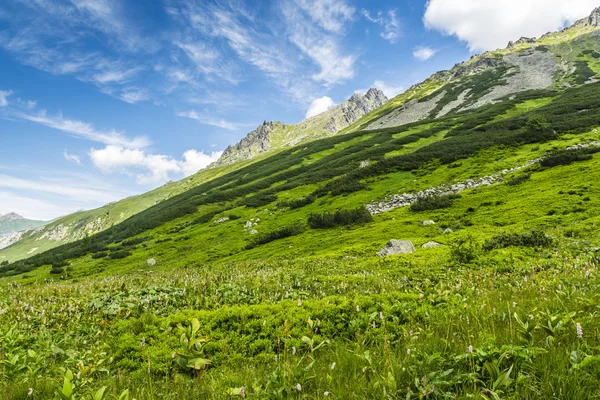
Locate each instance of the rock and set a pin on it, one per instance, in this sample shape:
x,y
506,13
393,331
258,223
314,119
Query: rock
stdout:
x,y
248,225
594,18
151,262
397,247
364,164
427,222
221,220
253,232
447,231
431,244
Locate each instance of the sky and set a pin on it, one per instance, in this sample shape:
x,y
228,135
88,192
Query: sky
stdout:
x,y
104,99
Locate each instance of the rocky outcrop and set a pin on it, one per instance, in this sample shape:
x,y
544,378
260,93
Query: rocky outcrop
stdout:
x,y
432,244
397,247
512,45
594,18
8,239
256,142
275,135
476,67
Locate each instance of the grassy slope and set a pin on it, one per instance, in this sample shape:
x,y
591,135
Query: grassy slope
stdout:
x,y
398,327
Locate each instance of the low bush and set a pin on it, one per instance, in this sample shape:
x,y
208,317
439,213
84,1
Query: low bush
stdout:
x,y
117,255
99,255
260,200
341,186
298,203
341,217
281,233
233,217
518,180
564,157
433,202
535,238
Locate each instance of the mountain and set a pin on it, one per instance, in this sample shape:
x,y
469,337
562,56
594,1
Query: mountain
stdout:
x,y
444,245
12,227
272,136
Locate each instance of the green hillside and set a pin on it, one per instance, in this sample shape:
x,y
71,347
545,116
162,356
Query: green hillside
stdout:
x,y
262,279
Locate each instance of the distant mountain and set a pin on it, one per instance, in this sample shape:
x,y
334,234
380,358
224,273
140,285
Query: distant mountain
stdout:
x,y
12,227
277,135
13,222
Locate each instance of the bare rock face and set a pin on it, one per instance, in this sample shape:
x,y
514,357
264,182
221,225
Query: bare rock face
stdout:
x,y
594,18
397,247
256,142
512,45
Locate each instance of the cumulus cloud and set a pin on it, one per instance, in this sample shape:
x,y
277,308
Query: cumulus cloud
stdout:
x,y
390,91
388,21
319,105
3,97
423,53
490,24
72,157
149,168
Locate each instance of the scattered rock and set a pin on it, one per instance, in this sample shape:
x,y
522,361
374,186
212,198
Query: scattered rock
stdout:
x,y
427,222
151,262
431,244
221,220
253,232
447,231
397,247
364,164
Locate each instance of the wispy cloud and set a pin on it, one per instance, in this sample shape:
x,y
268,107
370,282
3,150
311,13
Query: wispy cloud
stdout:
x,y
210,120
72,157
4,97
388,21
423,53
330,15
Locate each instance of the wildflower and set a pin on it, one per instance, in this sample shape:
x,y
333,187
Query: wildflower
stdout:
x,y
333,366
408,351
173,355
514,304
293,350
298,387
299,302
559,287
243,392
587,274
579,330
470,349
381,315
326,394
525,279
410,333
30,393
143,341
357,308
79,375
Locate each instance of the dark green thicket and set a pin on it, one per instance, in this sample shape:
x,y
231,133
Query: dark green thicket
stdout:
x,y
117,255
341,217
534,238
564,157
298,203
574,110
433,202
518,180
286,231
583,72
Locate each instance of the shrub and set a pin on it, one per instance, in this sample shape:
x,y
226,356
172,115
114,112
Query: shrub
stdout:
x,y
518,180
341,217
117,255
433,202
281,233
464,251
535,238
341,186
299,203
564,157
56,270
99,255
260,200
233,217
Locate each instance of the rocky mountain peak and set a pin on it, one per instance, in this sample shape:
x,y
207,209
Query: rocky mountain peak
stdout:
x,y
11,217
594,18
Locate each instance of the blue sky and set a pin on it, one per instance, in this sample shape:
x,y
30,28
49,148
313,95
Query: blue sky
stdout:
x,y
102,99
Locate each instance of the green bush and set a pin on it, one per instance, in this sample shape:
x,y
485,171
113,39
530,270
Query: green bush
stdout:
x,y
535,238
281,233
433,202
99,255
341,217
298,203
260,200
117,255
518,180
564,157
464,250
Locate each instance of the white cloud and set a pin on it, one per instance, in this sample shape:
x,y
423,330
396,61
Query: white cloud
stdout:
x,y
209,120
490,24
83,130
389,22
319,105
134,95
72,157
3,97
32,208
194,161
423,53
149,168
328,14
390,91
